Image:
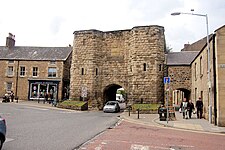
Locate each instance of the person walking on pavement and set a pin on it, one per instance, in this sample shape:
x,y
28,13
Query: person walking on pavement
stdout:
x,y
199,106
183,107
12,96
190,108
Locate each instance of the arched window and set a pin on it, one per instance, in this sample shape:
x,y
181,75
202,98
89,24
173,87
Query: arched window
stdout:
x,y
160,67
96,71
82,71
145,66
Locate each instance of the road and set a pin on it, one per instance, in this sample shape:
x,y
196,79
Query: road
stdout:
x,y
130,136
49,129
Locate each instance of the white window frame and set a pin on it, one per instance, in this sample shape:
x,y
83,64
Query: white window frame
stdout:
x,y
10,71
35,72
22,72
52,72
8,86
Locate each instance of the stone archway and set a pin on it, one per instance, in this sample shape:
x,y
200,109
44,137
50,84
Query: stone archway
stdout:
x,y
179,94
109,93
186,93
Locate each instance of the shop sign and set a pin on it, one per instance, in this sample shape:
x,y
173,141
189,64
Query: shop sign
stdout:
x,y
222,65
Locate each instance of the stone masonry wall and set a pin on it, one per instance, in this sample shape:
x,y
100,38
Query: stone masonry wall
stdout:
x,y
180,77
101,59
220,75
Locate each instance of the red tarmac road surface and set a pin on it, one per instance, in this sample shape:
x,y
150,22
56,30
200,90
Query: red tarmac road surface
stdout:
x,y
130,136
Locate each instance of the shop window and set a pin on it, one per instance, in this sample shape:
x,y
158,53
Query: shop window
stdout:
x,y
43,90
22,71
10,71
9,86
52,72
34,90
35,71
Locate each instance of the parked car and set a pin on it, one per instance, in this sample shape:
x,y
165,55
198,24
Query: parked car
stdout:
x,y
2,131
111,106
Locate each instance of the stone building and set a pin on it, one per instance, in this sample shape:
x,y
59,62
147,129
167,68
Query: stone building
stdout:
x,y
180,73
211,87
201,77
32,71
132,59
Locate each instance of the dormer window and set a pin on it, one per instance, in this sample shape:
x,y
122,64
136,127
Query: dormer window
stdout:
x,y
11,61
52,62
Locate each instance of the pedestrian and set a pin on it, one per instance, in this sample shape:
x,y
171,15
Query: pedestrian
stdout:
x,y
12,96
46,97
190,108
183,107
199,106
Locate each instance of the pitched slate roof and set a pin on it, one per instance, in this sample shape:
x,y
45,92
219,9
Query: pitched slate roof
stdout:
x,y
35,53
181,58
198,45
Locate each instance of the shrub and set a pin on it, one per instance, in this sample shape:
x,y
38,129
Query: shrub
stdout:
x,y
146,108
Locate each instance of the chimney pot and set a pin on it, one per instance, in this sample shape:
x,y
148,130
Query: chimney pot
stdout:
x,y
10,41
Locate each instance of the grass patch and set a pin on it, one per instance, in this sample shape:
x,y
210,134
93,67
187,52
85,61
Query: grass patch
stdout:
x,y
71,104
145,107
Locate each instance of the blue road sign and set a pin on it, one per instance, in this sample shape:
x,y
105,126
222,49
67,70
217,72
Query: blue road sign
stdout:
x,y
166,80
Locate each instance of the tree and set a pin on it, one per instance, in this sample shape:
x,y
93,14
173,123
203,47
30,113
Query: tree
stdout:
x,y
168,49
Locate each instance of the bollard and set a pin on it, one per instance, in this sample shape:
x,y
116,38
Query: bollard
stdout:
x,y
16,98
129,111
138,112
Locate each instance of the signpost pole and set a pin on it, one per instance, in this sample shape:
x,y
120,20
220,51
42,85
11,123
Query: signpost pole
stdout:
x,y
166,83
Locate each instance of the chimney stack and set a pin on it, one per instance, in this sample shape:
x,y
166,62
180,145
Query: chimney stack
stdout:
x,y
186,45
10,41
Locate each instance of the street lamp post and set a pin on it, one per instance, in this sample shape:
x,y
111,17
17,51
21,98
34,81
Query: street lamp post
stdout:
x,y
208,62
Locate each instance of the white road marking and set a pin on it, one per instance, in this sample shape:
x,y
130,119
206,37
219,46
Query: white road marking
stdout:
x,y
98,148
37,108
69,112
138,147
9,140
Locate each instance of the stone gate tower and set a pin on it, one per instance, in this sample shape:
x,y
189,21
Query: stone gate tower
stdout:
x,y
105,61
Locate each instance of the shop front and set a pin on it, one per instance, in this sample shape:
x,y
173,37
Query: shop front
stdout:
x,y
38,89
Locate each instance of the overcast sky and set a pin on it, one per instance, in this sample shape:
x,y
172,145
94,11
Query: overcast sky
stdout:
x,y
52,22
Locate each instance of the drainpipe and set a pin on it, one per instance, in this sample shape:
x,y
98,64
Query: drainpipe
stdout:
x,y
17,77
214,80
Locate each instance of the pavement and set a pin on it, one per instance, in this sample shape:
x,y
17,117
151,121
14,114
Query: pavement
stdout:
x,y
193,124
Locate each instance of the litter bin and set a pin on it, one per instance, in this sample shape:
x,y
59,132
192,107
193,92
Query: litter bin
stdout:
x,y
162,113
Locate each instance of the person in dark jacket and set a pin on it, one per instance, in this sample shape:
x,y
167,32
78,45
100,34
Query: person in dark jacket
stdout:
x,y
190,108
199,106
12,96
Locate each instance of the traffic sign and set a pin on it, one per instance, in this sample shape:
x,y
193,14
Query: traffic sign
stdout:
x,y
166,80
83,91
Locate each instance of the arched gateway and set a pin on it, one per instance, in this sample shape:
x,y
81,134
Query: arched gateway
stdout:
x,y
109,93
132,59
